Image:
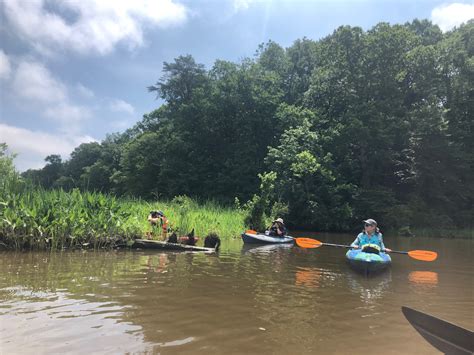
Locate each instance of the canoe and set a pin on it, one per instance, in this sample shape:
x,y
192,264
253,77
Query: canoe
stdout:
x,y
259,238
447,337
368,263
156,244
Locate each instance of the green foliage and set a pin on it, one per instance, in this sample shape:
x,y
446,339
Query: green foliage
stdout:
x,y
10,180
258,208
359,123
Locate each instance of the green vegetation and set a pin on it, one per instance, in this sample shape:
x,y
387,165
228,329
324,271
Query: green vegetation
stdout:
x,y
35,218
359,124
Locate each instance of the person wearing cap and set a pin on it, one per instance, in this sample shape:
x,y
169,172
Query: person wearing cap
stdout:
x,y
370,235
158,218
278,228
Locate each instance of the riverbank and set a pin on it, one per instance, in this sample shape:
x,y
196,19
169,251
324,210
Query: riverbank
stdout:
x,y
34,218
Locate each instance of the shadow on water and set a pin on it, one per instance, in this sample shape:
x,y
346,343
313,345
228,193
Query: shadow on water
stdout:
x,y
260,299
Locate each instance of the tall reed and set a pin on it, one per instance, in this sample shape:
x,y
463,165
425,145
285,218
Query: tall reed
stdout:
x,y
31,217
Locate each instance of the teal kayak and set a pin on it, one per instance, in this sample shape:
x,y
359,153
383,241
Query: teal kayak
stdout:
x,y
368,263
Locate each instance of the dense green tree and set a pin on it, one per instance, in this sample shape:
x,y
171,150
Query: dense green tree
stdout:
x,y
360,123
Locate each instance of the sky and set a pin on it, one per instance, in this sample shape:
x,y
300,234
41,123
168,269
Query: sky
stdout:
x,y
73,71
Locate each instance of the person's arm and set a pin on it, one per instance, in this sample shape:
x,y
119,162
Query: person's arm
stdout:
x,y
356,242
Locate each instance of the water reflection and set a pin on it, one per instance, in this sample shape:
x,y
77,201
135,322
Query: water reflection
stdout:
x,y
264,249
423,278
159,263
370,290
308,277
48,320
306,301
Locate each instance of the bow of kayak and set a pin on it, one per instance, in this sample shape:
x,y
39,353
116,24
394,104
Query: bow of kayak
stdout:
x,y
368,263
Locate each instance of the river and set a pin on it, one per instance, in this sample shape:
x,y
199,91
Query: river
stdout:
x,y
260,300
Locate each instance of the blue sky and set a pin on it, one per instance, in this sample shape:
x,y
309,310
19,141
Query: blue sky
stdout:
x,y
73,71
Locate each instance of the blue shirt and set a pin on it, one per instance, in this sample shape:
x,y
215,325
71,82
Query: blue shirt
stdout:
x,y
363,239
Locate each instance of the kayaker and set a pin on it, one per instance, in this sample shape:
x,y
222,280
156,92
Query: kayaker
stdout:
x,y
278,228
158,218
370,235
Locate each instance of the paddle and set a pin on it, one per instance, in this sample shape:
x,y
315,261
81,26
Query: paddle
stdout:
x,y
423,255
446,337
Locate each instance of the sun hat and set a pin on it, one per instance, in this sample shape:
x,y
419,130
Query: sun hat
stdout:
x,y
370,221
278,220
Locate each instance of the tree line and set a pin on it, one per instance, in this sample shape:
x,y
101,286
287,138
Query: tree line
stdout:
x,y
358,124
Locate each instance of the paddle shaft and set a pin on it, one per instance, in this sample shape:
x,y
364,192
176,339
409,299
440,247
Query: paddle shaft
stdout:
x,y
337,245
349,247
399,252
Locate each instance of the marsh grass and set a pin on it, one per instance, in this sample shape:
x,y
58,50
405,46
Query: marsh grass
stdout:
x,y
34,218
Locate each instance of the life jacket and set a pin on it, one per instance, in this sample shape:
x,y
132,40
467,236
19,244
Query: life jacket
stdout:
x,y
374,239
164,224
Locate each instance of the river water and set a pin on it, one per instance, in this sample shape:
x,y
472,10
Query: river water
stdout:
x,y
260,300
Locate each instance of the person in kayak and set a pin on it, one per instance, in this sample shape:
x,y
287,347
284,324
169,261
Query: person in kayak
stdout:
x,y
370,235
278,228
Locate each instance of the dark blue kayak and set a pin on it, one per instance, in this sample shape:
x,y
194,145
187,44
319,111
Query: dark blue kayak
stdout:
x,y
259,238
368,263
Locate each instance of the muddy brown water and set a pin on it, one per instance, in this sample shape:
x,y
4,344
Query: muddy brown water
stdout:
x,y
244,300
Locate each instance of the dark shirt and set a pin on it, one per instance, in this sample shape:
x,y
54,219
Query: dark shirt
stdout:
x,y
274,230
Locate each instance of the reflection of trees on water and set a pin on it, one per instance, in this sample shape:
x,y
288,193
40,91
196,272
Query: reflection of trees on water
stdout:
x,y
82,272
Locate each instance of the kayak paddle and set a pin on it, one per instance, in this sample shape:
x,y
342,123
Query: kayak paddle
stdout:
x,y
444,336
423,255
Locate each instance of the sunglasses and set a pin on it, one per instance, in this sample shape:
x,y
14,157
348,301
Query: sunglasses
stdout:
x,y
368,225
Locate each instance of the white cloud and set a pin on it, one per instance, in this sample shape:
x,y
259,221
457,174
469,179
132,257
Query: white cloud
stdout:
x,y
448,16
84,91
92,26
118,105
33,81
5,67
33,146
68,114
241,4
36,87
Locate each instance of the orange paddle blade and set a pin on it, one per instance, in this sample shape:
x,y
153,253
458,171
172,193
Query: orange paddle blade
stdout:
x,y
424,255
308,243
250,231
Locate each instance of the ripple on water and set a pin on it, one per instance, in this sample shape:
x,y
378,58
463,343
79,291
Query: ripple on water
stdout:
x,y
48,319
